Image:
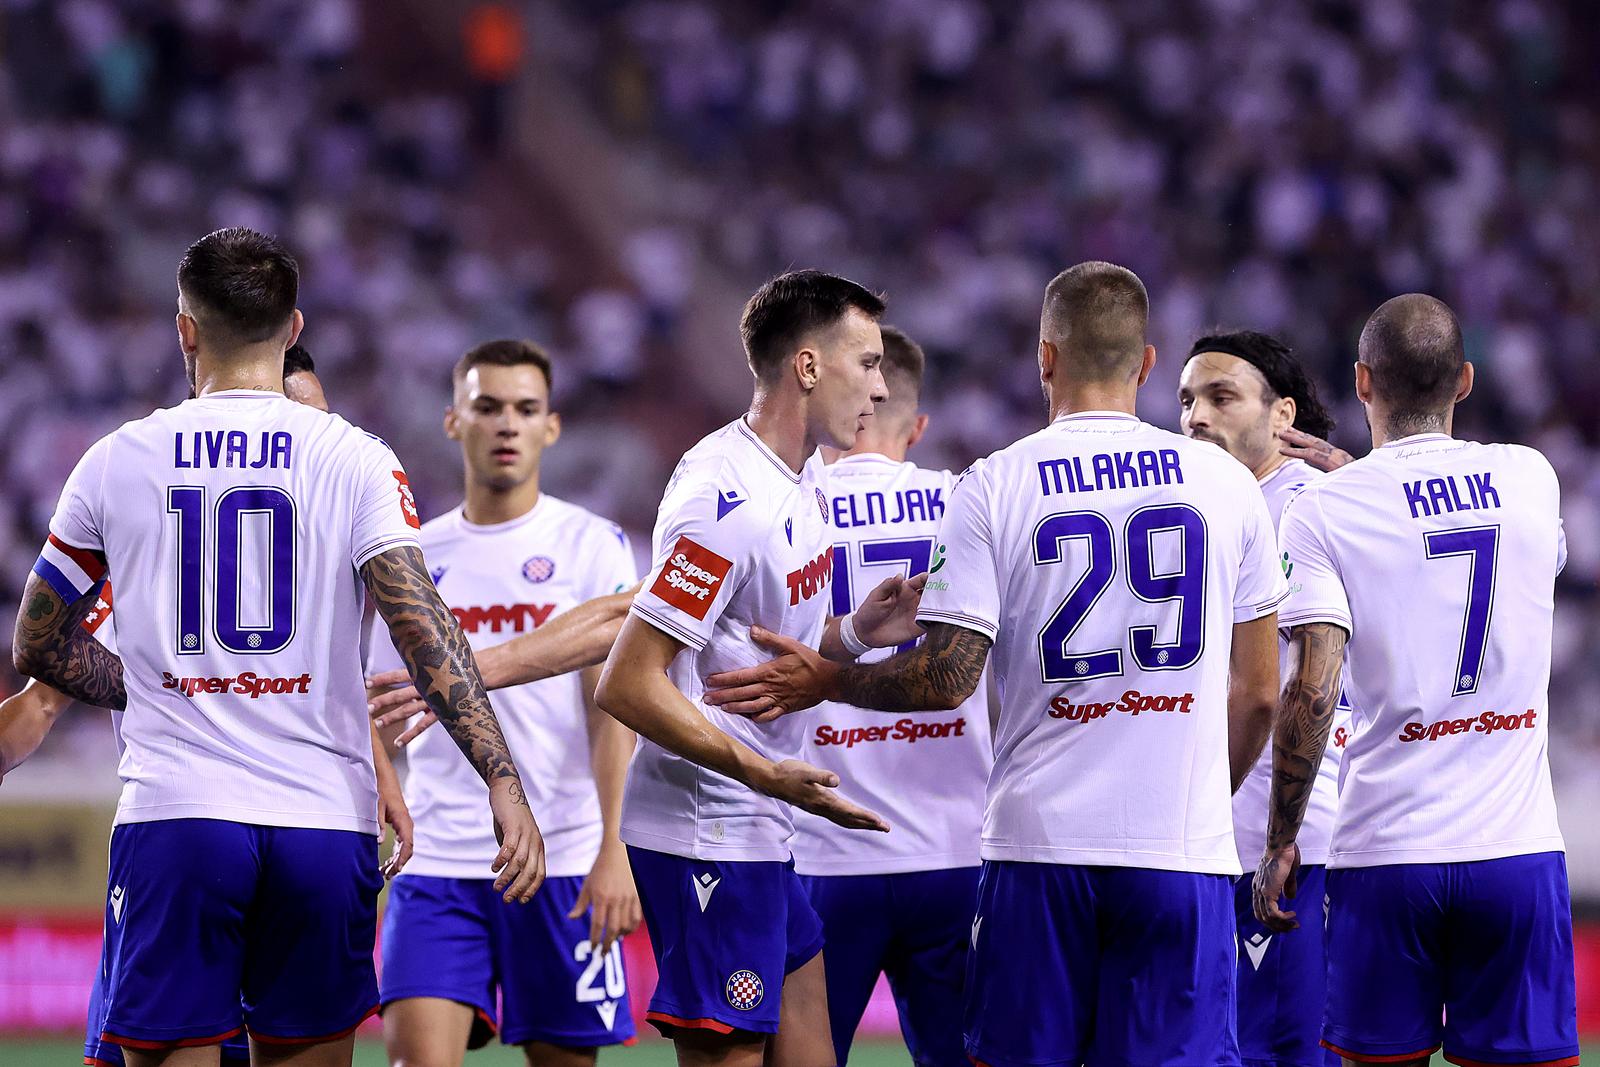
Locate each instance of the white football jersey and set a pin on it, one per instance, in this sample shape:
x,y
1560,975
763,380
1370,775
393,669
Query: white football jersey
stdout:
x,y
501,581
925,771
741,539
1109,561
1439,557
1250,802
236,525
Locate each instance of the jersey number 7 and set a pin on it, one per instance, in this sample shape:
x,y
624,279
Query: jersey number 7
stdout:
x,y
1186,585
188,503
1482,544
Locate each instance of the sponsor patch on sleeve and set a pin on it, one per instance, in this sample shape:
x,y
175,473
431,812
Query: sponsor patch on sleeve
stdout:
x,y
408,503
691,578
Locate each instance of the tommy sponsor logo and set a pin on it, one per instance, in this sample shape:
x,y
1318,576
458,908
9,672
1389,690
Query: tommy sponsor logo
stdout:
x,y
691,577
1132,703
908,730
118,898
811,579
408,502
704,886
745,990
520,618
1255,946
247,684
1488,723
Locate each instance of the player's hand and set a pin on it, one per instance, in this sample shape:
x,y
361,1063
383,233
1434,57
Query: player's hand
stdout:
x,y
399,703
1297,444
1277,877
611,899
393,813
519,867
888,617
796,680
816,790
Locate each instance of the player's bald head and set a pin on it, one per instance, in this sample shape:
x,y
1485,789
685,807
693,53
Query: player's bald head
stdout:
x,y
1095,315
1412,346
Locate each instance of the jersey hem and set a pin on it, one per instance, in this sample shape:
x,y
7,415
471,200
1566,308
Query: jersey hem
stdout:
x,y
1089,857
903,865
1498,850
363,557
1305,618
474,873
671,629
956,618
1252,612
249,817
699,851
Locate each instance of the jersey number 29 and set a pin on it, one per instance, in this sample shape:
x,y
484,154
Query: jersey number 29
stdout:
x,y
1186,585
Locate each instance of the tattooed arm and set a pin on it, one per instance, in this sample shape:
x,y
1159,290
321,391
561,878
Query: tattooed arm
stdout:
x,y
52,646
1316,656
937,675
440,662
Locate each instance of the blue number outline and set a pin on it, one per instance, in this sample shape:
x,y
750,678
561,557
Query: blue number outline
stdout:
x,y
913,551
1048,553
190,580
1148,633
273,588
1476,552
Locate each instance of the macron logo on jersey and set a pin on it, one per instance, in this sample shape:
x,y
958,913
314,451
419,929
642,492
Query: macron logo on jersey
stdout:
x,y
408,502
691,577
727,501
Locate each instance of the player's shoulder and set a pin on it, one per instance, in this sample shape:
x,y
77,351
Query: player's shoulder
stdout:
x,y
1525,458
441,529
725,479
580,524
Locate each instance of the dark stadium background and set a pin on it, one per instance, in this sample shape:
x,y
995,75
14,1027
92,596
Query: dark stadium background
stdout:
x,y
612,178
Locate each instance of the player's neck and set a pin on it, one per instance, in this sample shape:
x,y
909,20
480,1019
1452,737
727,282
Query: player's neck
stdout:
x,y
1269,466
781,426
1387,428
487,506
1092,398
258,368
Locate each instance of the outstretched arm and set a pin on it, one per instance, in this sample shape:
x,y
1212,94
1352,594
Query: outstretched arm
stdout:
x,y
25,719
577,638
441,666
1316,656
51,645
636,691
937,675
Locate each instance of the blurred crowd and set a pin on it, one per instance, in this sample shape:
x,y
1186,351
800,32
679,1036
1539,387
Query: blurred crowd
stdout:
x,y
1278,164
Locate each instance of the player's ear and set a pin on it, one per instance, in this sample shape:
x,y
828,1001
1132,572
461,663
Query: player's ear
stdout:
x,y
188,333
552,428
1148,365
1464,383
1047,360
297,322
1284,409
1363,383
452,424
919,426
807,368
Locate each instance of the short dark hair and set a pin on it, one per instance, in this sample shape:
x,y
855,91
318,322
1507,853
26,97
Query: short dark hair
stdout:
x,y
787,309
239,285
1285,375
297,360
1412,345
1095,314
505,353
903,364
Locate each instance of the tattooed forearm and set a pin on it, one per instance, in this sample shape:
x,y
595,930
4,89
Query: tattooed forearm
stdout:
x,y
938,674
1316,656
52,646
436,653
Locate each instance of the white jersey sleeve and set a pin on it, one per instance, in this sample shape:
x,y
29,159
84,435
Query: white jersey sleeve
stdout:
x,y
73,559
1261,589
964,586
385,510
703,562
1316,592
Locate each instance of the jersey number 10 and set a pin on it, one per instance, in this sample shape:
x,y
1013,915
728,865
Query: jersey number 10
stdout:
x,y
188,503
1186,585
